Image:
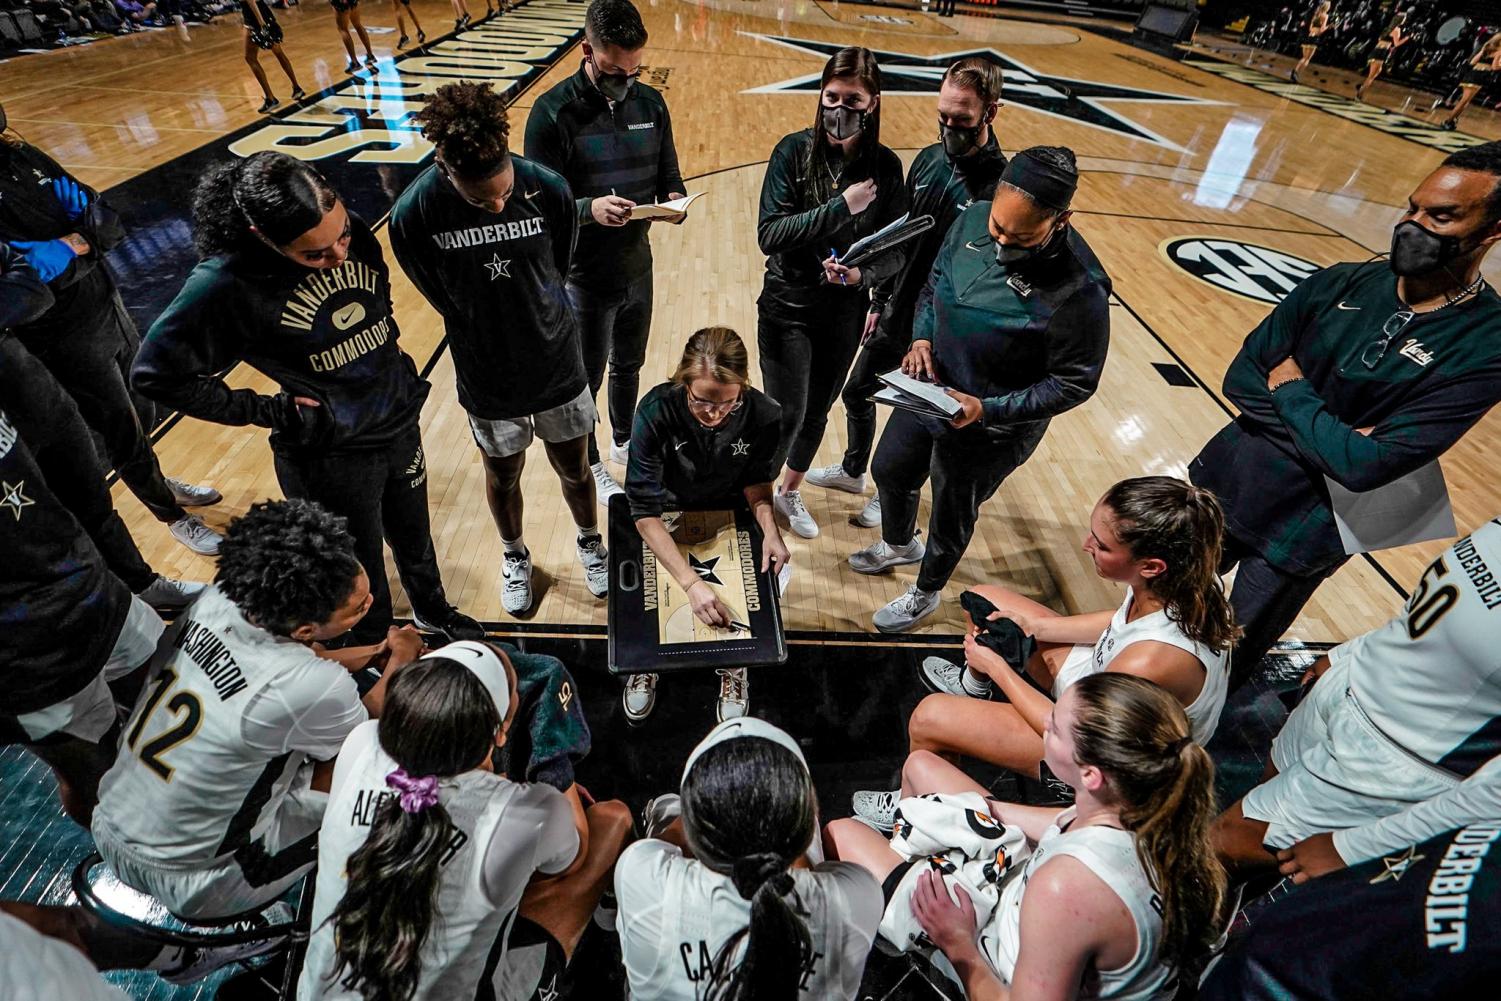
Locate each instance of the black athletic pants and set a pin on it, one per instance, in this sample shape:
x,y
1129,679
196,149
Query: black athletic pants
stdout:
x,y
95,370
879,356
383,493
946,8
806,352
613,327
1266,600
967,466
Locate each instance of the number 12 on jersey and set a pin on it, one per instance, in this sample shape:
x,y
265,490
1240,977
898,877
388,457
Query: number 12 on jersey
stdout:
x,y
186,710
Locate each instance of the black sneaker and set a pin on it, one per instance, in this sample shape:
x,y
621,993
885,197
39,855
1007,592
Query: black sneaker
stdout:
x,y
271,102
451,623
298,94
401,42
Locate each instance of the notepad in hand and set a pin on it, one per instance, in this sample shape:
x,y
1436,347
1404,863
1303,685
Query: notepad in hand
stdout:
x,y
888,237
665,210
907,393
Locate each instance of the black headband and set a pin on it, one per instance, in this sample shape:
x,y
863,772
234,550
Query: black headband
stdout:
x,y
1049,185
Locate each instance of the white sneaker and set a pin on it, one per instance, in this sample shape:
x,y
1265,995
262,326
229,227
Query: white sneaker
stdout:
x,y
879,556
660,812
191,494
948,678
596,562
789,504
605,486
168,594
734,694
620,453
639,697
870,514
877,809
516,592
902,614
198,962
835,478
193,533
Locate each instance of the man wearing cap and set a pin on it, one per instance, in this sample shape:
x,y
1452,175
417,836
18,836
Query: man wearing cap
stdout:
x,y
1014,323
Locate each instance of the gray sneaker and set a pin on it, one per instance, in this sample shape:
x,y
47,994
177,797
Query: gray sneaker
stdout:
x,y
948,678
903,613
835,478
734,694
197,962
193,533
877,809
639,697
879,556
605,486
191,494
659,813
168,594
870,514
789,504
516,592
596,563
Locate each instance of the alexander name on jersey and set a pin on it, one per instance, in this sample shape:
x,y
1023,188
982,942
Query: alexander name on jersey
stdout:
x,y
367,803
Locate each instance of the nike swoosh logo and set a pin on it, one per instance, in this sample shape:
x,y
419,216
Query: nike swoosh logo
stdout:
x,y
1341,305
919,187
679,445
532,194
349,316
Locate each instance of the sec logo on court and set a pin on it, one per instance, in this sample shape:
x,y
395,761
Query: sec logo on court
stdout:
x,y
1243,269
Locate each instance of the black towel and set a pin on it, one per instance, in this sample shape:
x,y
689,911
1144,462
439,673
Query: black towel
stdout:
x,y
1001,635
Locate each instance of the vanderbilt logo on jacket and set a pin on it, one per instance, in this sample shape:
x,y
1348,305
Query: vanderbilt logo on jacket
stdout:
x,y
310,295
478,236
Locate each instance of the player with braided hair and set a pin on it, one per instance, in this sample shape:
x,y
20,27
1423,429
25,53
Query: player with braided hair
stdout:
x,y
487,237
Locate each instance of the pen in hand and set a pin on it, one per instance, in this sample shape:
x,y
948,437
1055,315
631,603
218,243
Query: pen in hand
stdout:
x,y
834,255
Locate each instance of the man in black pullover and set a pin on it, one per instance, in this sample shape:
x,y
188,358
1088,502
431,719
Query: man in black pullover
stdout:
x,y
86,339
1014,321
610,136
945,179
487,238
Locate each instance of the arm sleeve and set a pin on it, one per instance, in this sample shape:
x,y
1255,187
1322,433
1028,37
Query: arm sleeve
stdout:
x,y
1078,338
882,290
1422,430
1476,799
99,224
313,713
415,264
643,473
565,229
546,144
766,450
922,310
180,361
640,876
781,226
23,296
1271,342
669,176
537,816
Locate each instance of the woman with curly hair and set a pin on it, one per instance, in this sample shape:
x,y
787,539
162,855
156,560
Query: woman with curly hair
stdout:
x,y
487,238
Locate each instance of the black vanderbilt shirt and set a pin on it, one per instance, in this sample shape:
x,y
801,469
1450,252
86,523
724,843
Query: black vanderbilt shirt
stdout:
x,y
600,148
328,334
675,460
497,280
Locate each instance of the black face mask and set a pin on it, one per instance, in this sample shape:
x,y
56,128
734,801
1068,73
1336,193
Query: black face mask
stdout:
x,y
843,123
958,139
1416,250
614,86
1011,256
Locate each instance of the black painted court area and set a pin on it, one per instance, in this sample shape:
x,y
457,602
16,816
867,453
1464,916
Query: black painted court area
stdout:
x,y
846,705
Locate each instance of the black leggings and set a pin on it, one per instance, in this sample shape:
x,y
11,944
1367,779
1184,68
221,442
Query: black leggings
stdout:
x,y
805,354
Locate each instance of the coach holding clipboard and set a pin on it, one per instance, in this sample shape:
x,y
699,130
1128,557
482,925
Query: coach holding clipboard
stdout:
x,y
1014,320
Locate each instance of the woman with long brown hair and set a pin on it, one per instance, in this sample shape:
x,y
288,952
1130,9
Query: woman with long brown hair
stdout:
x,y
1160,537
826,187
1121,891
706,438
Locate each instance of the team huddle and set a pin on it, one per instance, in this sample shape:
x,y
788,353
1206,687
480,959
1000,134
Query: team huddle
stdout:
x,y
282,728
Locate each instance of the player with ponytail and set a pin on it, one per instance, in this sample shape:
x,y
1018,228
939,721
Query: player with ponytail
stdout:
x,y
1160,537
719,902
1122,891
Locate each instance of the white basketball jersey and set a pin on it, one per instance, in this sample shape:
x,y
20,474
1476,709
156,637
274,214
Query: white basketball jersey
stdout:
x,y
228,714
676,913
1430,679
1110,854
1204,712
503,832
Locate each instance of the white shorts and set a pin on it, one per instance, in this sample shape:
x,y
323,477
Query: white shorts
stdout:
x,y
503,438
90,713
223,888
1078,664
1335,770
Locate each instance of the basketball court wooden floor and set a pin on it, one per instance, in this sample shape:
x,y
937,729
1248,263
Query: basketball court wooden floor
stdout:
x,y
1206,199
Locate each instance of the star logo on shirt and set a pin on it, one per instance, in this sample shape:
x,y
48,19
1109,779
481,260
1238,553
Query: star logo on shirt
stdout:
x,y
12,499
705,569
740,447
1397,866
498,268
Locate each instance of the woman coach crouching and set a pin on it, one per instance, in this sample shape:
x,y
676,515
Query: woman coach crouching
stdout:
x,y
704,438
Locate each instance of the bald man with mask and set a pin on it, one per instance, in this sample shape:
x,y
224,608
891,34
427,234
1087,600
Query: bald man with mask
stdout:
x,y
1014,322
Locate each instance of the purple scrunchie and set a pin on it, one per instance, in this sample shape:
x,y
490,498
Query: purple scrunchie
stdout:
x,y
416,794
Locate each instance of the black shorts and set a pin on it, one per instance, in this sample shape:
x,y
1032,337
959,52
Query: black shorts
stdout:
x,y
1312,40
533,966
265,37
342,5
894,879
1475,77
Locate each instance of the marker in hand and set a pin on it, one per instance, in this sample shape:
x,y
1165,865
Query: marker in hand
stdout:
x,y
834,254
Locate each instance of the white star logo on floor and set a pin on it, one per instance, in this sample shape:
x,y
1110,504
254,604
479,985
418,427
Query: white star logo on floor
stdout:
x,y
13,499
740,447
498,268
